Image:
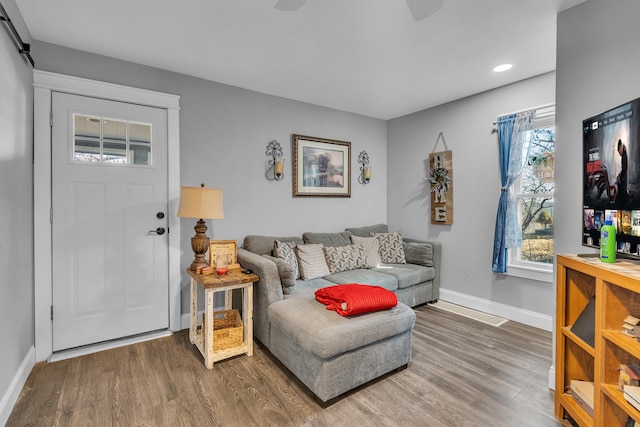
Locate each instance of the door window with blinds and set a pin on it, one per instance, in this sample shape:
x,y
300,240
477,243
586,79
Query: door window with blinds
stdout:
x,y
102,140
533,194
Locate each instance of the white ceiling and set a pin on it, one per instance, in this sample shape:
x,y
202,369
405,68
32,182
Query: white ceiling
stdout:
x,y
363,56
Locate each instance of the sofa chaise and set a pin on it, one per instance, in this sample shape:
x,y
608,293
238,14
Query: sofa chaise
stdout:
x,y
329,353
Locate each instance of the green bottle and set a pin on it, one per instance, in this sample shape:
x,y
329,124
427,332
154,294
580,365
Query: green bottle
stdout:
x,y
608,242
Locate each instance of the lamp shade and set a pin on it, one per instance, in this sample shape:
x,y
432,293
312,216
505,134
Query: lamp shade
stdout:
x,y
200,202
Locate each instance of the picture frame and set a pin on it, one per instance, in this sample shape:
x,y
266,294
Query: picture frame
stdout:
x,y
227,248
321,167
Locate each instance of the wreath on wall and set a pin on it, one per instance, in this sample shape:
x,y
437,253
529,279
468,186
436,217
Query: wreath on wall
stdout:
x,y
439,180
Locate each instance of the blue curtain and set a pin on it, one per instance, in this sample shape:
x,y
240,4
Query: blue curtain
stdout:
x,y
513,144
505,135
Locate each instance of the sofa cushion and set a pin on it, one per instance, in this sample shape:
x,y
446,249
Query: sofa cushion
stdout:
x,y
366,231
311,261
407,275
391,248
285,272
418,253
328,239
327,334
287,252
263,245
365,276
342,258
372,246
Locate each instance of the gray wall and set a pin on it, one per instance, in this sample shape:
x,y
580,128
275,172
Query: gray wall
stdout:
x,y
598,67
16,206
467,245
224,132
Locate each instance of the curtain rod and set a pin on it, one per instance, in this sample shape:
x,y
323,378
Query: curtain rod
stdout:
x,y
23,48
539,107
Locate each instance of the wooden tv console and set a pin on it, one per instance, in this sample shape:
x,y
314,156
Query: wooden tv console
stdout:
x,y
617,294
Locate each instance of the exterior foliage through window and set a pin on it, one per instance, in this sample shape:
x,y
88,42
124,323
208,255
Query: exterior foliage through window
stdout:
x,y
534,198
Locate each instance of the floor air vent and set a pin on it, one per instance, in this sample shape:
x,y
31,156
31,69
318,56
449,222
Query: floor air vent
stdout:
x,y
472,314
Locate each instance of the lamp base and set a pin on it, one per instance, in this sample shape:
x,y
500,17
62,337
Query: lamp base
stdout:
x,y
199,245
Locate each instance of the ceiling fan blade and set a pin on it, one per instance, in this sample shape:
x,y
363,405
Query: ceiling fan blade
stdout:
x,y
289,5
421,9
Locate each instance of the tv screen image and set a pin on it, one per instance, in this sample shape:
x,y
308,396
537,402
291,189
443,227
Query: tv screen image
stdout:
x,y
611,179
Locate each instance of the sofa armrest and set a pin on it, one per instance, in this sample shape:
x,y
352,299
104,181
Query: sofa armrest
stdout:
x,y
266,291
427,253
286,273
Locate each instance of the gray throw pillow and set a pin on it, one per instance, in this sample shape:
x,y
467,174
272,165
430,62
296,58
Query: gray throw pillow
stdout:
x,y
287,278
286,252
372,247
391,248
343,258
311,261
420,253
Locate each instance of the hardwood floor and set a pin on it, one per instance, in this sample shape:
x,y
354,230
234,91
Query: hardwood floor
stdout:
x,y
463,373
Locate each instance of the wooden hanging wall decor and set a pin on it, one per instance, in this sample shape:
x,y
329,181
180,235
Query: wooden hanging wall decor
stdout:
x,y
441,181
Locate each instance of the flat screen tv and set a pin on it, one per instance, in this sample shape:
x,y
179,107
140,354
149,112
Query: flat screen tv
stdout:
x,y
611,177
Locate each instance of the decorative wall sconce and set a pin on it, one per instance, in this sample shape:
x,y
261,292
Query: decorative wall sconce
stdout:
x,y
365,169
276,171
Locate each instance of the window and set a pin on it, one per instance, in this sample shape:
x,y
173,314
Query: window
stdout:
x,y
533,193
103,140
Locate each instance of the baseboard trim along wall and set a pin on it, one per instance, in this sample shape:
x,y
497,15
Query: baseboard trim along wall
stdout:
x,y
519,315
184,319
108,345
13,392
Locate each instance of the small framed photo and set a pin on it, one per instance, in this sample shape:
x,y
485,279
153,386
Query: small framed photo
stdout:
x,y
224,248
321,167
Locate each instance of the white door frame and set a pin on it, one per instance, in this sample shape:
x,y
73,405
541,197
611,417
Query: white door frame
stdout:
x,y
44,83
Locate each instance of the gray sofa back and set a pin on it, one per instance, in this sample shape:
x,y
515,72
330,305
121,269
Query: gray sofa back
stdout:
x,y
328,239
263,245
366,231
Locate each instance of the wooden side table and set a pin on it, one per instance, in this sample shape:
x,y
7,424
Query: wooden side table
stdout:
x,y
212,283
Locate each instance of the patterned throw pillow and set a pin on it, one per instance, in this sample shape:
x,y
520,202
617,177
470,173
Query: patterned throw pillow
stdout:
x,y
372,246
287,252
311,261
391,249
343,258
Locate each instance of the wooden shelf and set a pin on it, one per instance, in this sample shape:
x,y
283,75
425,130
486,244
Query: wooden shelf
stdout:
x,y
566,331
616,288
625,342
576,411
613,393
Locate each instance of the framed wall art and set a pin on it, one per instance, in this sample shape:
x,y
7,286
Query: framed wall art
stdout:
x,y
224,248
321,167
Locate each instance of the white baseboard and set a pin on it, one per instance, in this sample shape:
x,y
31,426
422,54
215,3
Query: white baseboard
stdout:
x,y
13,392
552,378
519,315
184,318
108,345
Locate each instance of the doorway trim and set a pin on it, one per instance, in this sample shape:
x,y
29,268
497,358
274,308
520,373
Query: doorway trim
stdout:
x,y
44,84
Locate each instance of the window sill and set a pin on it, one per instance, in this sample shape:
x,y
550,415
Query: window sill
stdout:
x,y
540,274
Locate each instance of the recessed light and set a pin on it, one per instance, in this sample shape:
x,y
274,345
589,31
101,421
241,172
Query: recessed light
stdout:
x,y
503,67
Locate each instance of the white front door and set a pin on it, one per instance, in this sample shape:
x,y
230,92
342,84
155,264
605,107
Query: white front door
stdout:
x,y
109,220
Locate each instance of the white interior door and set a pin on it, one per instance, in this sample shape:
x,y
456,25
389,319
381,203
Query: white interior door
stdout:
x,y
109,210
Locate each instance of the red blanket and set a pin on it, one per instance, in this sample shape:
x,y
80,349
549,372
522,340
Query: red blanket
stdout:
x,y
353,298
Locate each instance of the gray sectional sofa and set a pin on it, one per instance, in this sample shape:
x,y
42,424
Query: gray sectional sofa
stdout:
x,y
329,353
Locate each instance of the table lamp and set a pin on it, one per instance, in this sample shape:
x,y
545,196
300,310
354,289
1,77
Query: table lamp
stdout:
x,y
201,203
